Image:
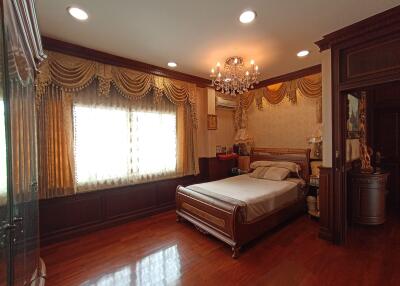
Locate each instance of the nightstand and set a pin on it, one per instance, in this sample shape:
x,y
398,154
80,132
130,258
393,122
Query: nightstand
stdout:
x,y
313,197
237,172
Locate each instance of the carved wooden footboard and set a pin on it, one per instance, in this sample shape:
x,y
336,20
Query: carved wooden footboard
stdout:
x,y
210,215
224,220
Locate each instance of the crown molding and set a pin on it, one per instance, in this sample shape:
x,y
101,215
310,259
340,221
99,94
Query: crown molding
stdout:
x,y
106,58
389,19
290,76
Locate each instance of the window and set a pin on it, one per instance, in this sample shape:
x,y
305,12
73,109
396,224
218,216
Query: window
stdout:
x,y
116,146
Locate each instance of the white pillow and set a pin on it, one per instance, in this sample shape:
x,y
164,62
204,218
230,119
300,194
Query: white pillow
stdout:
x,y
258,172
291,166
276,174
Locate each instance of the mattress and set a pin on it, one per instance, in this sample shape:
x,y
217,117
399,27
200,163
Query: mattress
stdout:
x,y
257,197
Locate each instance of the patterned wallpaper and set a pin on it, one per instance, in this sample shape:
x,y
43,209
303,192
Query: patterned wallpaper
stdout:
x,y
284,125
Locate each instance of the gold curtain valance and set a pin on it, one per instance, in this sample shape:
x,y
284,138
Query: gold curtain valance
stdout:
x,y
308,86
72,74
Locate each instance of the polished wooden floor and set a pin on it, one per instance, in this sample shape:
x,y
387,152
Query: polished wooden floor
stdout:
x,y
159,251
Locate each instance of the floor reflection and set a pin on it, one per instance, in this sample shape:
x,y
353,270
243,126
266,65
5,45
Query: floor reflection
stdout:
x,y
160,268
121,277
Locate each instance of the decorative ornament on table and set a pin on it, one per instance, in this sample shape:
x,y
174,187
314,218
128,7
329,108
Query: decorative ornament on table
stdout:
x,y
316,140
365,151
244,141
234,78
242,138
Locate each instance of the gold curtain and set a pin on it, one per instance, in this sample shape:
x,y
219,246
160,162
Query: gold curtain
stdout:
x,y
73,74
22,131
55,138
187,161
131,84
308,86
62,77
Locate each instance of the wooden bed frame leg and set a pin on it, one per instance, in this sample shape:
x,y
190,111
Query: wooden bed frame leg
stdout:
x,y
235,250
178,218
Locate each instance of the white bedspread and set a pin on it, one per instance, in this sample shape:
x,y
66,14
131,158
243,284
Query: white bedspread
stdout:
x,y
257,196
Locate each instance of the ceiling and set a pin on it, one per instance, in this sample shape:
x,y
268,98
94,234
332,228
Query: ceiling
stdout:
x,y
197,34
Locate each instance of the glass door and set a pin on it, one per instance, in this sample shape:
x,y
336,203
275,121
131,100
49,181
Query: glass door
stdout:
x,y
22,167
4,206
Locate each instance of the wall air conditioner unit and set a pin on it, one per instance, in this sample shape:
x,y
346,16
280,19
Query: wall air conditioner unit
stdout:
x,y
225,103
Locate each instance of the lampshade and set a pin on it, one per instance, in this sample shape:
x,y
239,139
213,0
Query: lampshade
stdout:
x,y
242,136
314,140
316,136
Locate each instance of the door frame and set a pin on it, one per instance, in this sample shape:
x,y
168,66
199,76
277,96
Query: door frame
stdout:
x,y
339,130
362,35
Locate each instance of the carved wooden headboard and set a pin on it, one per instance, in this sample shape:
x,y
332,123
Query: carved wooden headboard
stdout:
x,y
299,156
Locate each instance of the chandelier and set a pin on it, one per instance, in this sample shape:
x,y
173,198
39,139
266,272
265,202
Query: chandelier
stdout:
x,y
234,78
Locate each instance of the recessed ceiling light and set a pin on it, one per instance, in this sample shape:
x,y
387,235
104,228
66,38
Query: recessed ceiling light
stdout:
x,y
78,13
172,64
303,53
247,16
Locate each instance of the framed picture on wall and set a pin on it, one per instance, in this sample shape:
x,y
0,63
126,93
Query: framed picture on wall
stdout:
x,y
353,117
212,122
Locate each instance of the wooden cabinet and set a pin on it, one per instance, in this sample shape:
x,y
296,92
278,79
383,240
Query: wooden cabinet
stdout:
x,y
368,193
212,169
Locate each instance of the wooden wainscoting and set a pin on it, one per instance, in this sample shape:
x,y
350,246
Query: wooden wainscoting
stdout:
x,y
326,200
66,217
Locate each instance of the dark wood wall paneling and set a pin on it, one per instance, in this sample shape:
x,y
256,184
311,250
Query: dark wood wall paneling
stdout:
x,y
357,63
326,204
66,217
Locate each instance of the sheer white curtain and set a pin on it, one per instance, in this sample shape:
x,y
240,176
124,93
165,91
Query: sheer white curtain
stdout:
x,y
119,141
154,142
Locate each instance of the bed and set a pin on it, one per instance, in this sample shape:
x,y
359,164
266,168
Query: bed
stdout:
x,y
239,209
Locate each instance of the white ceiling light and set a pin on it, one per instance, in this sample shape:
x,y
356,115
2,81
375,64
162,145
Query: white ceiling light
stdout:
x,y
78,13
247,16
172,64
303,53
